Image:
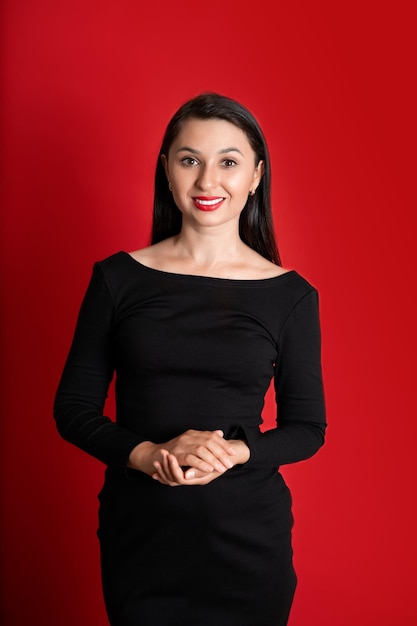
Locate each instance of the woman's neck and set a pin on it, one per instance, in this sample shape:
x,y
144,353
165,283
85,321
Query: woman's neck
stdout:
x,y
210,248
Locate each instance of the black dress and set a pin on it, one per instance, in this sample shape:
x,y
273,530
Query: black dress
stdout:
x,y
194,352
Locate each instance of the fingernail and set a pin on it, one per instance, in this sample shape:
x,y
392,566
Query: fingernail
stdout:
x,y
229,463
190,474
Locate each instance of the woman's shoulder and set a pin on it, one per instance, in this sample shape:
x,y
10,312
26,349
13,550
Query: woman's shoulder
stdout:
x,y
113,261
124,263
119,268
261,268
150,255
285,283
258,267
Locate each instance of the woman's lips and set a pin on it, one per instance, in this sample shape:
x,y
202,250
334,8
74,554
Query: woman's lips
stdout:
x,y
208,203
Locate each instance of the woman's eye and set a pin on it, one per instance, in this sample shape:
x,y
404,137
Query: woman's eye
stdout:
x,y
189,161
229,163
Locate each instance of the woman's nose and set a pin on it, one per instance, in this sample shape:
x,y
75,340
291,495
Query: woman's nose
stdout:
x,y
207,177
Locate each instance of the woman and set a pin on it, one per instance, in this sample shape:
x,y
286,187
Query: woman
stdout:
x,y
195,327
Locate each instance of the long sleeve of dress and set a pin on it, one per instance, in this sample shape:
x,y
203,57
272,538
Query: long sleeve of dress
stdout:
x,y
82,391
301,421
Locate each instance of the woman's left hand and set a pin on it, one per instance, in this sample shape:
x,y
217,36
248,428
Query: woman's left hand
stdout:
x,y
169,472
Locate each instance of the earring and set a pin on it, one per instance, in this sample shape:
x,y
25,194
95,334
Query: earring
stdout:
x,y
252,192
169,186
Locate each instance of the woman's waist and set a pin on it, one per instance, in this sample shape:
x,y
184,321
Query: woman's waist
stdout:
x,y
240,495
243,478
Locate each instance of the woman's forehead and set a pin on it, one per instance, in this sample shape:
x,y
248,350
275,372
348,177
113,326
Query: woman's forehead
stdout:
x,y
213,133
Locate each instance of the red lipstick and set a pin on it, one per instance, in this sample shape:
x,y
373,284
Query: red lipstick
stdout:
x,y
208,203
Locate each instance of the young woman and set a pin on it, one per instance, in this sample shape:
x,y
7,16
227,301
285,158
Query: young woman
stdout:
x,y
195,327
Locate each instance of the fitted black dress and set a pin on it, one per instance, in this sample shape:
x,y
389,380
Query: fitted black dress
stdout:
x,y
194,352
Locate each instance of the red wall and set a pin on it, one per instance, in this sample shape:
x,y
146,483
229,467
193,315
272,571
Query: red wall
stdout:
x,y
87,90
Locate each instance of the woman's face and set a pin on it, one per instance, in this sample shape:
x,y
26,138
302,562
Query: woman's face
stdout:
x,y
211,167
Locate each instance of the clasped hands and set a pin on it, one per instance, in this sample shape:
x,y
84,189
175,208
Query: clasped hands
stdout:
x,y
194,458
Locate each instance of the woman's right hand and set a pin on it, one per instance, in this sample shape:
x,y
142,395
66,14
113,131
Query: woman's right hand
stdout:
x,y
169,472
202,452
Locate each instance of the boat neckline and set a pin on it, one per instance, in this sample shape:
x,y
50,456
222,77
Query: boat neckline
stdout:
x,y
254,281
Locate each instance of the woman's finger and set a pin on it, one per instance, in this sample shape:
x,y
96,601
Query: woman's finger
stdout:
x,y
203,479
209,456
209,446
221,453
159,474
163,470
199,464
217,438
173,469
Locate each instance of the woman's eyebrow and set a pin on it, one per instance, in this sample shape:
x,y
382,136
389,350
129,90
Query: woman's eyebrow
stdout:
x,y
194,151
225,150
187,149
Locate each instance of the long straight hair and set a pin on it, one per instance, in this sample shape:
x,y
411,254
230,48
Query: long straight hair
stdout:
x,y
255,223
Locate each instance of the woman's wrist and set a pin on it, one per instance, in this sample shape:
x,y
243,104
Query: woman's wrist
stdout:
x,y
142,457
242,451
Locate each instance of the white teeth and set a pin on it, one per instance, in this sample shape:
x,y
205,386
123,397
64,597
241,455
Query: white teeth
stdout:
x,y
208,202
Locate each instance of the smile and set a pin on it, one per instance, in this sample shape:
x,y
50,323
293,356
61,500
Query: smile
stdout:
x,y
208,203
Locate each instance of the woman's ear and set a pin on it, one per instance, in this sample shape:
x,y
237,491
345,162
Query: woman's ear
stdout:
x,y
164,162
257,175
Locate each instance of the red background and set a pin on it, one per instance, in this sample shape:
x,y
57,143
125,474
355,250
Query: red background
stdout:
x,y
88,88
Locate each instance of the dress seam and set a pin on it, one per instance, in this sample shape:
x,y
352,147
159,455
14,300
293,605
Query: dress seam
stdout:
x,y
106,280
290,312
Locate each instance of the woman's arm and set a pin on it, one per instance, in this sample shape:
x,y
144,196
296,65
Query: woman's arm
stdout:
x,y
301,421
82,391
